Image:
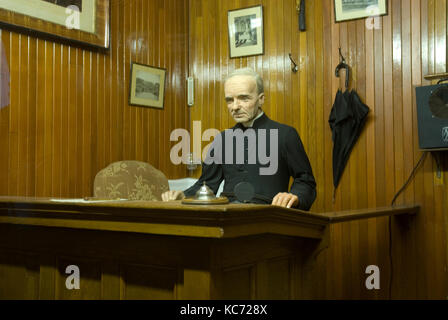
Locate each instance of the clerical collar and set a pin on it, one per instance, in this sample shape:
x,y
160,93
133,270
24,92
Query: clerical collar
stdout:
x,y
250,125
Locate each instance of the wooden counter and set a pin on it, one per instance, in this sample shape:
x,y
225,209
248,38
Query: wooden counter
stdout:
x,y
155,250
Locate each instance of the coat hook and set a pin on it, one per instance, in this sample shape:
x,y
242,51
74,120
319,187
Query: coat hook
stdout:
x,y
295,68
341,56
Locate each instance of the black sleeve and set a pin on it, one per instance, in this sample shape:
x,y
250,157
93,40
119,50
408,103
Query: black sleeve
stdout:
x,y
212,175
304,185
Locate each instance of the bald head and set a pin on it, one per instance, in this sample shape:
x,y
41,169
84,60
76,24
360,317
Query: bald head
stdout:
x,y
251,73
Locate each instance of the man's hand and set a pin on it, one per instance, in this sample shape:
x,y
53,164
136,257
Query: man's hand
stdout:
x,y
172,195
287,200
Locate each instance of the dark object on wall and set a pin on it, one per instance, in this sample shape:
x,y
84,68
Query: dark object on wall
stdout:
x,y
432,113
347,119
295,67
301,9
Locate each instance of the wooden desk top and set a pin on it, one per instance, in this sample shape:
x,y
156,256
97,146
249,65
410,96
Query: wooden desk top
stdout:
x,y
176,219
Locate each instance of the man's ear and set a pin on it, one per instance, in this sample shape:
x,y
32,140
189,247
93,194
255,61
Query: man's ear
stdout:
x,y
261,98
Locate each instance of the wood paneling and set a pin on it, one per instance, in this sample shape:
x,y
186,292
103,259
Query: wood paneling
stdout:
x,y
387,63
237,283
23,269
69,115
146,281
136,265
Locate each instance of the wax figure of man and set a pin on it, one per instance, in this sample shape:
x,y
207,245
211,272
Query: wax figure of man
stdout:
x,y
244,94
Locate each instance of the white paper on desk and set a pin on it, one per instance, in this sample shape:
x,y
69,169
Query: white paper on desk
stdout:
x,y
84,201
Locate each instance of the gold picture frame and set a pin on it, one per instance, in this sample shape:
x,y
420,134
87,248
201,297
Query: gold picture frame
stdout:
x,y
147,86
357,9
82,22
246,35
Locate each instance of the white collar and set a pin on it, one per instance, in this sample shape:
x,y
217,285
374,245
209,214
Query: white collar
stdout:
x,y
250,124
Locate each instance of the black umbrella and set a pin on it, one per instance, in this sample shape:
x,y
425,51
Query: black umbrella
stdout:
x,y
347,119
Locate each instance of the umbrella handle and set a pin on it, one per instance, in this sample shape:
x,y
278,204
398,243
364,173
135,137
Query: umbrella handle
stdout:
x,y
343,65
347,73
347,77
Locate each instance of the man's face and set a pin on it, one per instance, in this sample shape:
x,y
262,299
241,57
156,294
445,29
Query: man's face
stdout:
x,y
242,98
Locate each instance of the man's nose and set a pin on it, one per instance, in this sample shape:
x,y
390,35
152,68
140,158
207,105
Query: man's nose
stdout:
x,y
236,104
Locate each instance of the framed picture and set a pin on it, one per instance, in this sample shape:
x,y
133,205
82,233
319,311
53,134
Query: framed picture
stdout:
x,y
82,22
246,36
147,87
357,9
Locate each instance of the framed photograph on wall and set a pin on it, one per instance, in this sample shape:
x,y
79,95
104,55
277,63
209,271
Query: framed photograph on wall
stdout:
x,y
82,22
147,86
357,9
246,36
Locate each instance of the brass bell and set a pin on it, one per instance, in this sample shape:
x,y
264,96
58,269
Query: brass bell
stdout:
x,y
205,193
205,196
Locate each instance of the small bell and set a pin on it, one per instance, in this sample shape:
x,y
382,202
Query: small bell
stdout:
x,y
205,196
205,193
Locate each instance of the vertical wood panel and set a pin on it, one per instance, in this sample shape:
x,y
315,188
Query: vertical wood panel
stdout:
x,y
69,115
387,63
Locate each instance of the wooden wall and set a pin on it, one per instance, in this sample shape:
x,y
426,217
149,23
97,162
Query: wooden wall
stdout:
x,y
386,63
69,115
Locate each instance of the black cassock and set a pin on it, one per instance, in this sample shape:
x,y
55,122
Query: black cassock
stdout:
x,y
292,162
347,119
